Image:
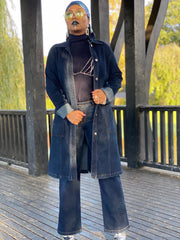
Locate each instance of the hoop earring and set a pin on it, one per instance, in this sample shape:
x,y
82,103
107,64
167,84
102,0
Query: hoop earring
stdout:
x,y
91,30
87,30
67,34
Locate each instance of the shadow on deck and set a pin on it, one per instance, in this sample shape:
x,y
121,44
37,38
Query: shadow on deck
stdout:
x,y
29,205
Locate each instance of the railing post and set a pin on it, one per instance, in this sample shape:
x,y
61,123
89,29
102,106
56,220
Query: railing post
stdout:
x,y
35,86
178,137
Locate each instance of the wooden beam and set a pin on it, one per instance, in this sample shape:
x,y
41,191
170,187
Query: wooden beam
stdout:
x,y
100,19
35,86
153,29
118,36
135,67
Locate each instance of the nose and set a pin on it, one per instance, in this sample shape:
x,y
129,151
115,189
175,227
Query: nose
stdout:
x,y
73,17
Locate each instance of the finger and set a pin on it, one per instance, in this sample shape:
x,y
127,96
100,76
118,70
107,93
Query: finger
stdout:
x,y
77,121
94,99
100,96
81,113
97,91
96,96
79,117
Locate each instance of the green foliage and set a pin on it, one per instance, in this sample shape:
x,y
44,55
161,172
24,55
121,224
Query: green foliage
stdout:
x,y
12,89
170,31
165,76
171,28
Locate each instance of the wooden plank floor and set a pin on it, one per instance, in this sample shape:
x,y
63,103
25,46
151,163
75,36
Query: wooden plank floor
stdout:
x,y
29,206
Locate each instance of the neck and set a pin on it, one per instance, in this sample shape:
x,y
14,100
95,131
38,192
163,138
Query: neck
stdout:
x,y
77,33
77,38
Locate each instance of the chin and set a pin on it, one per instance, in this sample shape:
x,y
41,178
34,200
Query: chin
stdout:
x,y
76,32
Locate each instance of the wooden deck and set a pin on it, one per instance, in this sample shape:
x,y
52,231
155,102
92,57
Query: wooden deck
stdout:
x,y
29,206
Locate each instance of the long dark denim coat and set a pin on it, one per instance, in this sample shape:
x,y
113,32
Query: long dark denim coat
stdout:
x,y
105,158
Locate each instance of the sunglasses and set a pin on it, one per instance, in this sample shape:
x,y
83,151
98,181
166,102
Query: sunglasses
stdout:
x,y
78,14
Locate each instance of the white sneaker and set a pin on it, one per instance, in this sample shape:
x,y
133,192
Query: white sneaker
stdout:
x,y
120,236
69,237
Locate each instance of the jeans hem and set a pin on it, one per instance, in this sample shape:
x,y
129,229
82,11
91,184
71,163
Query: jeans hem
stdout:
x,y
70,233
117,230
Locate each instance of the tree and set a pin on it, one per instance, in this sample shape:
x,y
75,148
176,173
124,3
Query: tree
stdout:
x,y
12,84
171,29
165,76
170,32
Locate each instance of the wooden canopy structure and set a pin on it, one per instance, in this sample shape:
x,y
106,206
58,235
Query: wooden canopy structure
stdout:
x,y
139,50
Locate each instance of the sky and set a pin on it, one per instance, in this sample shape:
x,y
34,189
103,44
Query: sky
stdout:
x,y
54,26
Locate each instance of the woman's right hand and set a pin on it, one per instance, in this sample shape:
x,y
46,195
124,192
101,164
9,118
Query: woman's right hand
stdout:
x,y
75,117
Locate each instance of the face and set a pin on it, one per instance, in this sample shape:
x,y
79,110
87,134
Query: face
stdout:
x,y
76,20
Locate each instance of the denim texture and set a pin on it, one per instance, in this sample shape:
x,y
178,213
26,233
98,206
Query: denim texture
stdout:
x,y
84,137
113,206
105,158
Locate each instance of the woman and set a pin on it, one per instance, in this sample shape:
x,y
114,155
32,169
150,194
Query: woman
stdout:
x,y
82,78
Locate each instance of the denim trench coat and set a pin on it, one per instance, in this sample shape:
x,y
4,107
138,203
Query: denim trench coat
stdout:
x,y
105,158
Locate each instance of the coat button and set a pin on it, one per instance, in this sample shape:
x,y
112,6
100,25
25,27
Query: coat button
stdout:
x,y
95,133
96,60
96,78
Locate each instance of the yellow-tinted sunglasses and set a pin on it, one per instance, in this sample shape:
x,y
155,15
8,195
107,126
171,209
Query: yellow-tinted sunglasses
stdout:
x,y
78,14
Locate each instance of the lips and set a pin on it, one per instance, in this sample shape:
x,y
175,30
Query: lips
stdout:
x,y
75,23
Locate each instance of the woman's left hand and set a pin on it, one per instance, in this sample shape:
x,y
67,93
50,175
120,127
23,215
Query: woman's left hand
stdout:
x,y
99,97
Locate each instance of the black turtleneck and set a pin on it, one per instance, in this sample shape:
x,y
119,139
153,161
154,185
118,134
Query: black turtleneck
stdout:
x,y
79,46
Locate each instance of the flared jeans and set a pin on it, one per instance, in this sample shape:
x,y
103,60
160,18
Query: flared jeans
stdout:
x,y
112,197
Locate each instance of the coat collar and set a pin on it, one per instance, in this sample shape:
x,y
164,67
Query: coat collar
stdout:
x,y
91,40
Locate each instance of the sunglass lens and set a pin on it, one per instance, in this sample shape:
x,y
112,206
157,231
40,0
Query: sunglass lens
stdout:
x,y
79,14
68,15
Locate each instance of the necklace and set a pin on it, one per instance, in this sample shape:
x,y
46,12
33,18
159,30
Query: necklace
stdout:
x,y
87,69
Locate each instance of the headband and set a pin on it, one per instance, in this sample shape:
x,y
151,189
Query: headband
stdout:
x,y
81,4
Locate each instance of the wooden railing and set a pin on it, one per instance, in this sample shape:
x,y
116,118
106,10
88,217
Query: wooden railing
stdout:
x,y
120,116
159,128
13,137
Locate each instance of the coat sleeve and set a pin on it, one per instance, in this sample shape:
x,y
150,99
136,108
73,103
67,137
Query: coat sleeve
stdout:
x,y
53,86
115,77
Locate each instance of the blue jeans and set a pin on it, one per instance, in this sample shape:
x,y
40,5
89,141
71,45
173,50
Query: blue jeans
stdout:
x,y
84,137
113,204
